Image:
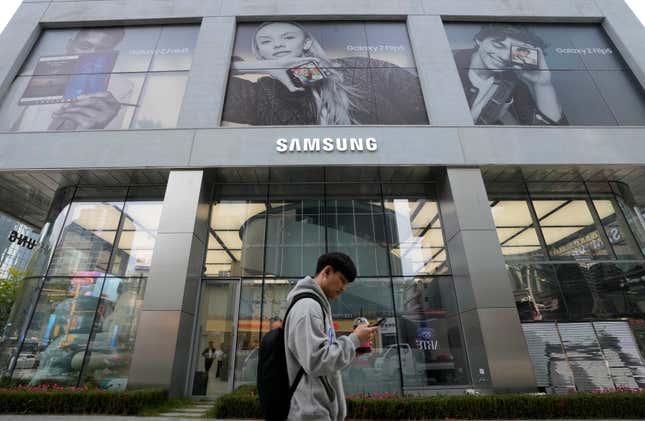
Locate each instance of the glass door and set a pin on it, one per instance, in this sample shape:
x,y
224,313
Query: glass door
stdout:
x,y
214,350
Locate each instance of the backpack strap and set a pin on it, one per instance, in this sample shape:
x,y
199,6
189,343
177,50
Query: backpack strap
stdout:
x,y
298,297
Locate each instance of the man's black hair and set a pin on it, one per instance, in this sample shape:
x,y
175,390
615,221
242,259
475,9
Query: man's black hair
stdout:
x,y
339,262
507,30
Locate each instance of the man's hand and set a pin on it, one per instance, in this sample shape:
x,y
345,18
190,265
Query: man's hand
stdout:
x,y
93,111
365,333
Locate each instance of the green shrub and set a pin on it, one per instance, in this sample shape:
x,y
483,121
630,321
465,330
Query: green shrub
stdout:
x,y
78,402
243,403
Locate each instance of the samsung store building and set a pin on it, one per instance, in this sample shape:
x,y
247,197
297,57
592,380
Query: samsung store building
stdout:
x,y
187,161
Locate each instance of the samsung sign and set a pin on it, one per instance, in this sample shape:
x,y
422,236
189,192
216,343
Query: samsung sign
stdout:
x,y
326,144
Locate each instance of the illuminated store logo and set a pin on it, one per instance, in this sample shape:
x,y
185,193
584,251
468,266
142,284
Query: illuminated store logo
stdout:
x,y
326,144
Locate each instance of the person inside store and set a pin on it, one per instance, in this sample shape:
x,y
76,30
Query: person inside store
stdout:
x,y
311,342
89,110
341,94
275,322
505,91
210,355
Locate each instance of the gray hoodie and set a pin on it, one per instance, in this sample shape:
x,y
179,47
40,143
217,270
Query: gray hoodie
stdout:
x,y
311,343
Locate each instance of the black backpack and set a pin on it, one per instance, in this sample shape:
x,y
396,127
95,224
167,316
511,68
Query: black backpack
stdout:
x,y
273,380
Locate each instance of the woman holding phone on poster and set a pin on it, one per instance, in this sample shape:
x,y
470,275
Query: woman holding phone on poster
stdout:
x,y
300,84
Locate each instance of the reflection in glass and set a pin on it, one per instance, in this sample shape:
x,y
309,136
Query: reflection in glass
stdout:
x,y
236,238
87,238
515,230
416,241
536,291
18,318
137,237
569,229
295,237
214,352
357,228
429,330
377,369
50,233
59,331
248,332
111,346
616,229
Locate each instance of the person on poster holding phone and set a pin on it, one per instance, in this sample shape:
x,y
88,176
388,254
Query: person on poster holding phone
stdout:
x,y
97,109
506,78
304,86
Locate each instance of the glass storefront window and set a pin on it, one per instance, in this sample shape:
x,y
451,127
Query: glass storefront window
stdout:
x,y
111,345
537,292
416,239
569,229
365,221
248,331
515,230
83,319
430,341
295,237
376,368
137,237
50,232
89,233
236,238
18,318
585,227
356,226
214,344
616,229
59,331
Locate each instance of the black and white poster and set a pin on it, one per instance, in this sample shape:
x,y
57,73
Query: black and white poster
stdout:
x,y
544,74
336,73
101,78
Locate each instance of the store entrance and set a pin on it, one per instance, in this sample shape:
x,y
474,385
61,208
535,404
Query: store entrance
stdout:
x,y
214,351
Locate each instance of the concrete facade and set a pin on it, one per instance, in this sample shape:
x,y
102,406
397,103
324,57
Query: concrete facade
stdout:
x,y
451,141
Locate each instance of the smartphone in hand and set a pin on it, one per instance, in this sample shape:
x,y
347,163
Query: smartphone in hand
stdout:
x,y
379,322
527,58
306,74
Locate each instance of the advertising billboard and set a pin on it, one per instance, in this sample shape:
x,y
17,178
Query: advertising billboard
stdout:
x,y
101,78
544,74
332,73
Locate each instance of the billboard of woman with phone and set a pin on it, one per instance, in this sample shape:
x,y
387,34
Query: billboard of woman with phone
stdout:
x,y
283,75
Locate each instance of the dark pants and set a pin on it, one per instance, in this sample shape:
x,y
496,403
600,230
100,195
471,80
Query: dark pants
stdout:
x,y
208,362
219,368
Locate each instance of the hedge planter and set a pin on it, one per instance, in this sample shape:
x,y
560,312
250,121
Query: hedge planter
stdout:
x,y
77,401
245,404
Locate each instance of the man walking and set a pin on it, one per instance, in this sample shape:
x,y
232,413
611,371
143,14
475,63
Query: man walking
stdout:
x,y
311,342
